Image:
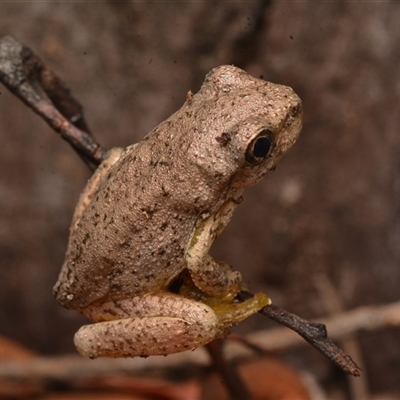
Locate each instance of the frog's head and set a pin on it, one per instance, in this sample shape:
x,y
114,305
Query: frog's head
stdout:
x,y
244,125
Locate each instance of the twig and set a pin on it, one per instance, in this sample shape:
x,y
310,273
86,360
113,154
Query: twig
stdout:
x,y
25,75
313,332
340,326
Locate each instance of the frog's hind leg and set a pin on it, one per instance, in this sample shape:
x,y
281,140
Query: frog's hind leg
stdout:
x,y
150,325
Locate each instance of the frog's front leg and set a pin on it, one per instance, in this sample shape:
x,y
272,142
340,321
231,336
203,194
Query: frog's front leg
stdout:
x,y
155,324
214,278
217,281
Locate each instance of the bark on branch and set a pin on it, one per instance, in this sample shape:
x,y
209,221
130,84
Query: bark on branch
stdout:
x,y
25,75
314,333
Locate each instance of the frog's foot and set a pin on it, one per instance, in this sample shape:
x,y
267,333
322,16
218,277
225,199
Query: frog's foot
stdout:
x,y
228,310
231,313
158,324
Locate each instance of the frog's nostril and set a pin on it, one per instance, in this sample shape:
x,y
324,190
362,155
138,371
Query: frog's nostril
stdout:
x,y
294,110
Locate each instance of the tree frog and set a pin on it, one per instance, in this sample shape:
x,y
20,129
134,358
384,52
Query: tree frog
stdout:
x,y
138,262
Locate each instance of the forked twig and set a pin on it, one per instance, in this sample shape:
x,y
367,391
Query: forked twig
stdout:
x,y
313,332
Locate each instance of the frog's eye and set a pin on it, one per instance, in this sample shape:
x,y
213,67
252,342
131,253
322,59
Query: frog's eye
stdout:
x,y
260,148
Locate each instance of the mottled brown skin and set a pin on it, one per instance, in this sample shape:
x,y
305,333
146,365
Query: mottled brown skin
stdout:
x,y
152,211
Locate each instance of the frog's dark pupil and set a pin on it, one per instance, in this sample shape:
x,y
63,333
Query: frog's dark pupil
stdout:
x,y
261,147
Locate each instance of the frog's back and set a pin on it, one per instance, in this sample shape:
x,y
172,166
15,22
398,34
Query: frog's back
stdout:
x,y
129,240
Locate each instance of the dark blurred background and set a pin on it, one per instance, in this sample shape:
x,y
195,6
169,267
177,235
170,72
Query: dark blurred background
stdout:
x,y
330,209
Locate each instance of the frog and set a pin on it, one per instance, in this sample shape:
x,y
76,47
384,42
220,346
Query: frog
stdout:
x,y
138,261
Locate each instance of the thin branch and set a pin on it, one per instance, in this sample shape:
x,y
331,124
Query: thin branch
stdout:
x,y
340,326
313,332
25,75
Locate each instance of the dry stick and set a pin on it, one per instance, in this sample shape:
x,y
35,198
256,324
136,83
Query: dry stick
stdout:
x,y
25,75
313,332
340,326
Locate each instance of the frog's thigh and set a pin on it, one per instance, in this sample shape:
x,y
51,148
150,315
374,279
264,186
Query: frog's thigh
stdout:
x,y
172,324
